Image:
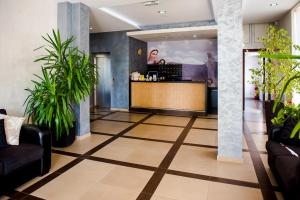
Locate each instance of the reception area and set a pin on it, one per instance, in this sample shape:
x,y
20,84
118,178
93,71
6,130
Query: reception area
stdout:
x,y
135,99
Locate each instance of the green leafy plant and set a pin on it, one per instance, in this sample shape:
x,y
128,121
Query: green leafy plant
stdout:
x,y
289,111
272,73
67,78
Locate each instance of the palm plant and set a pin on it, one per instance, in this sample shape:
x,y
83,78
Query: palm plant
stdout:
x,y
67,78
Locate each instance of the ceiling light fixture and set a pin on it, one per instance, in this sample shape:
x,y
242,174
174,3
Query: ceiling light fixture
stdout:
x,y
163,12
91,28
195,36
274,4
120,17
151,3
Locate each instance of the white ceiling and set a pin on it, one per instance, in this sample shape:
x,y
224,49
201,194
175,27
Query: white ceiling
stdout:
x,y
254,11
260,11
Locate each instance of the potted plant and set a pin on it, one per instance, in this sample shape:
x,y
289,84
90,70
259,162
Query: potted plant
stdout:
x,y
289,115
270,77
67,78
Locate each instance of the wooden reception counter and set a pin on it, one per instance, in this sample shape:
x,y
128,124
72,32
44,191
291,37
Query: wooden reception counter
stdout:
x,y
185,96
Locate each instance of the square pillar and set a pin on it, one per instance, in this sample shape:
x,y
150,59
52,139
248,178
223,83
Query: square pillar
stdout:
x,y
73,20
230,80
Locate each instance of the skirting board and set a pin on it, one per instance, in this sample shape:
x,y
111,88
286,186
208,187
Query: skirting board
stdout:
x,y
81,137
119,109
228,159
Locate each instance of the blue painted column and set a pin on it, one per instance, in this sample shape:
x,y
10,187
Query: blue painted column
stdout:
x,y
73,20
230,79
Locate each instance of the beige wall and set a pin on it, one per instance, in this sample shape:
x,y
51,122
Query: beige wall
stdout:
x,y
22,24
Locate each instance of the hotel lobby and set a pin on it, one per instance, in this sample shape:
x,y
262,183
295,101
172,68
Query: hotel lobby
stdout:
x,y
160,100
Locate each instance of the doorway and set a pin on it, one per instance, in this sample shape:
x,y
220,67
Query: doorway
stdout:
x,y
101,97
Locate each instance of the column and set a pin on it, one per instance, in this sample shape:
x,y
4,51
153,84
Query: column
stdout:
x,y
73,20
230,80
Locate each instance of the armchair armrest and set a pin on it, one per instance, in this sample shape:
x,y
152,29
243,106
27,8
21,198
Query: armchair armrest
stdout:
x,y
274,130
31,134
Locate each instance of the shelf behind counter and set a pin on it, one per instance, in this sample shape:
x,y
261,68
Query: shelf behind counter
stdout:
x,y
182,97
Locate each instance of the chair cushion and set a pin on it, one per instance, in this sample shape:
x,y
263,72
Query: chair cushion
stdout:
x,y
276,149
3,112
3,142
288,168
15,157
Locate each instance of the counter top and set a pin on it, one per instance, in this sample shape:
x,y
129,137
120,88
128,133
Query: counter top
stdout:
x,y
169,81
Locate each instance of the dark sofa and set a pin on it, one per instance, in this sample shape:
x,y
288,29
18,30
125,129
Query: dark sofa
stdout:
x,y
283,161
31,158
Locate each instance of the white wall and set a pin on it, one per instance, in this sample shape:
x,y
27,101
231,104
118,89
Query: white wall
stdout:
x,y
286,23
22,24
251,61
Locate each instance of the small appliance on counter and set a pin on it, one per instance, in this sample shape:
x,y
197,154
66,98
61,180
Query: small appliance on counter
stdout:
x,y
135,76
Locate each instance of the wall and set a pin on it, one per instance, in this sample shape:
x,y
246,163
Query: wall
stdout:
x,y
22,24
137,62
286,23
251,61
117,44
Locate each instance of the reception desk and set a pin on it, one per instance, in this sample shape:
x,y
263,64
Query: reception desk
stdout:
x,y
185,96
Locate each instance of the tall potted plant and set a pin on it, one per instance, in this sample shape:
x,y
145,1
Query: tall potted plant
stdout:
x,y
67,78
273,72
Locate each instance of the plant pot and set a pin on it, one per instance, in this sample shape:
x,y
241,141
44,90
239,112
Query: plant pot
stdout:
x,y
65,140
269,115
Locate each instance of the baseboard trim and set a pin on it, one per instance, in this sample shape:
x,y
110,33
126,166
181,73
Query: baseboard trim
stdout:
x,y
119,109
229,159
81,137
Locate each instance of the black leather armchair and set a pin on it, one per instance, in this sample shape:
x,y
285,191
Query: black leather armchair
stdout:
x,y
32,157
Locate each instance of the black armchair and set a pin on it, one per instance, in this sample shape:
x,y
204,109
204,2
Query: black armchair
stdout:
x,y
32,157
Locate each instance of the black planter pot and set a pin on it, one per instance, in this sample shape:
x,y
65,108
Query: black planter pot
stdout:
x,y
65,140
269,115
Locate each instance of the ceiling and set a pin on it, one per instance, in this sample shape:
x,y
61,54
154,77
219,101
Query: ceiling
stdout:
x,y
187,33
260,11
254,11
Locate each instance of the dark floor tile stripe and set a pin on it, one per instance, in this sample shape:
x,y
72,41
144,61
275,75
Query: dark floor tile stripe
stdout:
x,y
164,165
101,133
200,145
115,120
209,129
214,179
167,125
148,139
121,163
261,173
66,153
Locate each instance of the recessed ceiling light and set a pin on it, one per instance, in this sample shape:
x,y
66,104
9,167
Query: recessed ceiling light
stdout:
x,y
195,36
151,3
91,28
274,4
120,17
163,12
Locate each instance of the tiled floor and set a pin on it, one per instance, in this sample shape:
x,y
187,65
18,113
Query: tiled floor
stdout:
x,y
159,157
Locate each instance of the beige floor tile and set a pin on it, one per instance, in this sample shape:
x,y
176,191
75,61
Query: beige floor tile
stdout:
x,y
260,141
84,145
156,132
176,187
264,158
205,137
256,127
124,116
135,151
4,197
109,126
206,123
168,120
203,161
221,191
96,180
57,162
